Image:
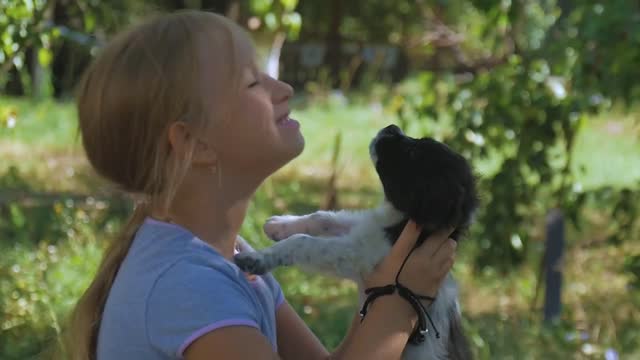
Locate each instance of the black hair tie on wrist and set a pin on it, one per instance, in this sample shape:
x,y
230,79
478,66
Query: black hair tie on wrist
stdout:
x,y
418,334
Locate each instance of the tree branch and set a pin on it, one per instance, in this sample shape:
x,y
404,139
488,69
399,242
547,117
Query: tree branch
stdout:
x,y
38,16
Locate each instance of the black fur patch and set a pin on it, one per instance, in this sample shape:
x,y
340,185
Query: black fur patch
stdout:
x,y
427,181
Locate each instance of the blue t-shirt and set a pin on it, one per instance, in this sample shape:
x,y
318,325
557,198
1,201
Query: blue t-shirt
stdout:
x,y
173,288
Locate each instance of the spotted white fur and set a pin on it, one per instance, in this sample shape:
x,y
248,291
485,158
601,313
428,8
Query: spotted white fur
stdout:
x,y
348,244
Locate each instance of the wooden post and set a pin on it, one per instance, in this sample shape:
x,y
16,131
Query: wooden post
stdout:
x,y
554,249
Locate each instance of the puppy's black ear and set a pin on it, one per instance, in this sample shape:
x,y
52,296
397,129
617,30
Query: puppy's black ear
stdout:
x,y
397,183
444,200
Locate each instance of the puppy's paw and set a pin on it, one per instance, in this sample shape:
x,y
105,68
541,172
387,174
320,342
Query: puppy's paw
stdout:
x,y
281,227
252,262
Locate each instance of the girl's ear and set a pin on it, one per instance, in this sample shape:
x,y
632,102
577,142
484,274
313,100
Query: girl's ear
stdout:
x,y
180,135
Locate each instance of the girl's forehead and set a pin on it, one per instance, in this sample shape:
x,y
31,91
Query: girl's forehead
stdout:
x,y
244,49
250,69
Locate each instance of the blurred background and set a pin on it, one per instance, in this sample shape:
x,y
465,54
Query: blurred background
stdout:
x,y
541,96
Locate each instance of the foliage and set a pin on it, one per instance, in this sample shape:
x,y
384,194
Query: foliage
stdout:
x,y
46,267
632,266
515,87
50,251
32,32
21,27
277,15
525,112
64,238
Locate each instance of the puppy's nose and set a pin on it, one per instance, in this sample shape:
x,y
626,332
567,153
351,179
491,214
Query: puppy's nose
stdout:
x,y
392,130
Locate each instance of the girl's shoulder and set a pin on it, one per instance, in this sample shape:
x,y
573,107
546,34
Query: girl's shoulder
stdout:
x,y
197,294
177,252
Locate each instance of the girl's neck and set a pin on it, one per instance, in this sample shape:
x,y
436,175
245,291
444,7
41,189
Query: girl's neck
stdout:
x,y
213,207
215,217
218,227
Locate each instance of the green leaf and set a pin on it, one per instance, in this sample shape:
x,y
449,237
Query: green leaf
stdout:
x,y
294,21
89,22
289,5
261,6
45,56
271,21
17,216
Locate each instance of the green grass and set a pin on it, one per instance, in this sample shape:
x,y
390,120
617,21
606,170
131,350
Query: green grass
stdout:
x,y
50,248
608,151
43,141
47,124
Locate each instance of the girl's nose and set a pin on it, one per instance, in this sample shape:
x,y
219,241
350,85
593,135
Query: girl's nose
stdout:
x,y
282,91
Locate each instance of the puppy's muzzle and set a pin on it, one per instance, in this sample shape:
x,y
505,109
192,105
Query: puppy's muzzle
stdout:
x,y
391,130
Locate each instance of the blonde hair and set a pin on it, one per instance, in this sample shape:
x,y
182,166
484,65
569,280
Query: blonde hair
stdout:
x,y
174,67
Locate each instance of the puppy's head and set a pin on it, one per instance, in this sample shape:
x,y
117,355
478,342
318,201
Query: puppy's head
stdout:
x,y
425,180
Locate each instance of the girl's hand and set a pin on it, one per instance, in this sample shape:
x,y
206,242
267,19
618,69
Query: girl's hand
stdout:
x,y
425,269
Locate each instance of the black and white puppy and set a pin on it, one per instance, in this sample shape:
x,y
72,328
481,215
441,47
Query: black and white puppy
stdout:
x,y
423,180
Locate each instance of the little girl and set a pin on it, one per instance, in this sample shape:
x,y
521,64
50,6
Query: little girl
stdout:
x,y
175,112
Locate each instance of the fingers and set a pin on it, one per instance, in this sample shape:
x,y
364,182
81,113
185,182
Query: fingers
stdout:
x,y
446,266
447,252
406,241
441,250
445,238
435,241
446,256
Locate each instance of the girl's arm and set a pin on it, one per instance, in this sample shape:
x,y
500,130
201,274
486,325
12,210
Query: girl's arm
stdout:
x,y
390,320
295,339
231,343
382,335
384,332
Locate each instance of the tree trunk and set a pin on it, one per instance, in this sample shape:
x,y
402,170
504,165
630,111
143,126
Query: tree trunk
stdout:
x,y
14,86
39,87
69,58
216,6
37,74
334,41
273,60
235,12
62,55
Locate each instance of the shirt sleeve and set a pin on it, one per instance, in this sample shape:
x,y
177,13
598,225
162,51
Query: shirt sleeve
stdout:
x,y
276,290
269,279
192,299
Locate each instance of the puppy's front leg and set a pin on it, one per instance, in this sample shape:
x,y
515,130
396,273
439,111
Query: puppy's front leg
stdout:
x,y
319,223
334,255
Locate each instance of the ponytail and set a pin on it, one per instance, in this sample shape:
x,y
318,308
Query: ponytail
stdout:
x,y
82,339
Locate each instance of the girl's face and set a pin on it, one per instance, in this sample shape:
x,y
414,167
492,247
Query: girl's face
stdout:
x,y
260,137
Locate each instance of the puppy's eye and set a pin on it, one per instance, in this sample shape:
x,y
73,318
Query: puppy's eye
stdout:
x,y
254,84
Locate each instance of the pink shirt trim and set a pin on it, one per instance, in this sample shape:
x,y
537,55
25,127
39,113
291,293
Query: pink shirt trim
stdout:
x,y
214,326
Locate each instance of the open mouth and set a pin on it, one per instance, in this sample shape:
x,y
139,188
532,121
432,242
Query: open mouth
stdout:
x,y
283,118
286,122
